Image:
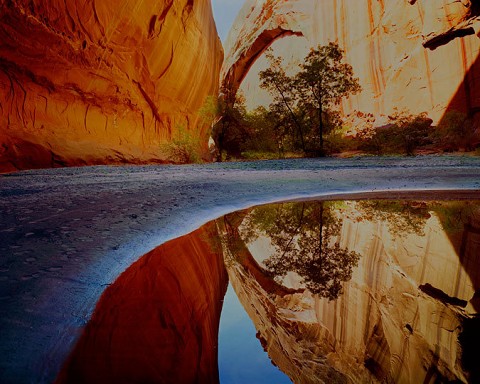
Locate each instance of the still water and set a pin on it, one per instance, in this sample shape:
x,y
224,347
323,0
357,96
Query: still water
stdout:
x,y
318,291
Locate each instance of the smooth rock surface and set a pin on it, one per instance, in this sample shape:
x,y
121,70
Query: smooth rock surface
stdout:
x,y
407,54
103,82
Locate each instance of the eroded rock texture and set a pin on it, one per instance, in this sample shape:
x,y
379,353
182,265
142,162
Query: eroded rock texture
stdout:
x,y
399,318
85,81
417,55
158,323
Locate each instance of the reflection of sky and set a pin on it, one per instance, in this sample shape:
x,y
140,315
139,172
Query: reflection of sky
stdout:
x,y
241,358
224,12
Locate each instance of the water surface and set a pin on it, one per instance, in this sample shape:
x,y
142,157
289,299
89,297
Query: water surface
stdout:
x,y
333,291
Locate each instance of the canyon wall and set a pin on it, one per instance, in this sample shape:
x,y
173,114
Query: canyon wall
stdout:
x,y
399,318
158,323
414,55
85,81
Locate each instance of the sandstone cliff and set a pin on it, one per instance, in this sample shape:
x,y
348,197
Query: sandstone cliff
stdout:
x,y
145,329
407,54
399,318
85,81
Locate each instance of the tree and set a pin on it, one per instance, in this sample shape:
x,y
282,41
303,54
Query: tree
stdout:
x,y
306,241
267,133
323,81
282,88
231,129
311,97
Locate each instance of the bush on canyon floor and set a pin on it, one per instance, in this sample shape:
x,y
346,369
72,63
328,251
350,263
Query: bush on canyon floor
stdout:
x,y
338,141
456,132
184,146
403,135
231,130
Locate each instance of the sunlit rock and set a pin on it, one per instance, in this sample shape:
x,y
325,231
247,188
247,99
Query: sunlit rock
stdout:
x,y
400,316
411,55
84,82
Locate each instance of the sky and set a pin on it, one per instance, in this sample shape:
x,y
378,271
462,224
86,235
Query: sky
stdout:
x,y
241,358
224,12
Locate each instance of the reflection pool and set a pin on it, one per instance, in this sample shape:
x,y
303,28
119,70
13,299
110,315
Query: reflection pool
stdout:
x,y
318,291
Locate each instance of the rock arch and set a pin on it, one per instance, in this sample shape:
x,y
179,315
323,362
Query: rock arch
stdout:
x,y
234,75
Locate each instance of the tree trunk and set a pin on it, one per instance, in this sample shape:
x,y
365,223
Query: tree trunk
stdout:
x,y
293,116
221,137
321,231
320,123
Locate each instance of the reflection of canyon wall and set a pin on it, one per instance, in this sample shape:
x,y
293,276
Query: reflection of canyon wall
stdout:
x,y
86,82
384,41
158,323
398,320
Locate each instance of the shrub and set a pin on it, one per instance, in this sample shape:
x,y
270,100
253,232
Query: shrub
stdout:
x,y
403,135
184,146
336,141
456,131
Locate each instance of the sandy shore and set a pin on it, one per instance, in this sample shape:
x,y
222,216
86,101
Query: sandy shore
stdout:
x,y
66,234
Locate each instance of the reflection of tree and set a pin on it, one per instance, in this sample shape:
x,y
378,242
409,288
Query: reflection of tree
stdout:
x,y
455,215
402,217
306,240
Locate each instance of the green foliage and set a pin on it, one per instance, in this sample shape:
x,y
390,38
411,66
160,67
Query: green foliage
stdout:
x,y
454,215
402,217
231,130
404,134
304,106
410,217
269,155
306,241
183,147
456,131
324,80
337,142
210,110
283,111
264,134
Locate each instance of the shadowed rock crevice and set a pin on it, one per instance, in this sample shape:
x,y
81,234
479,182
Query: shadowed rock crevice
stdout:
x,y
469,338
445,37
442,296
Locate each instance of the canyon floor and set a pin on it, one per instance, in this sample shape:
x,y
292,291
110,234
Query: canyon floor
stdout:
x,y
66,234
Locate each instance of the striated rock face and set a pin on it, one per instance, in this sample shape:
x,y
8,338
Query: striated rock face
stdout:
x,y
158,323
85,81
407,54
399,318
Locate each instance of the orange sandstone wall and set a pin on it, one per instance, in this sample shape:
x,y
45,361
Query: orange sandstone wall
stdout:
x,y
145,329
85,81
412,54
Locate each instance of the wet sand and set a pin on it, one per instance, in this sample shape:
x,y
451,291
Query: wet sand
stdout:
x,y
67,234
